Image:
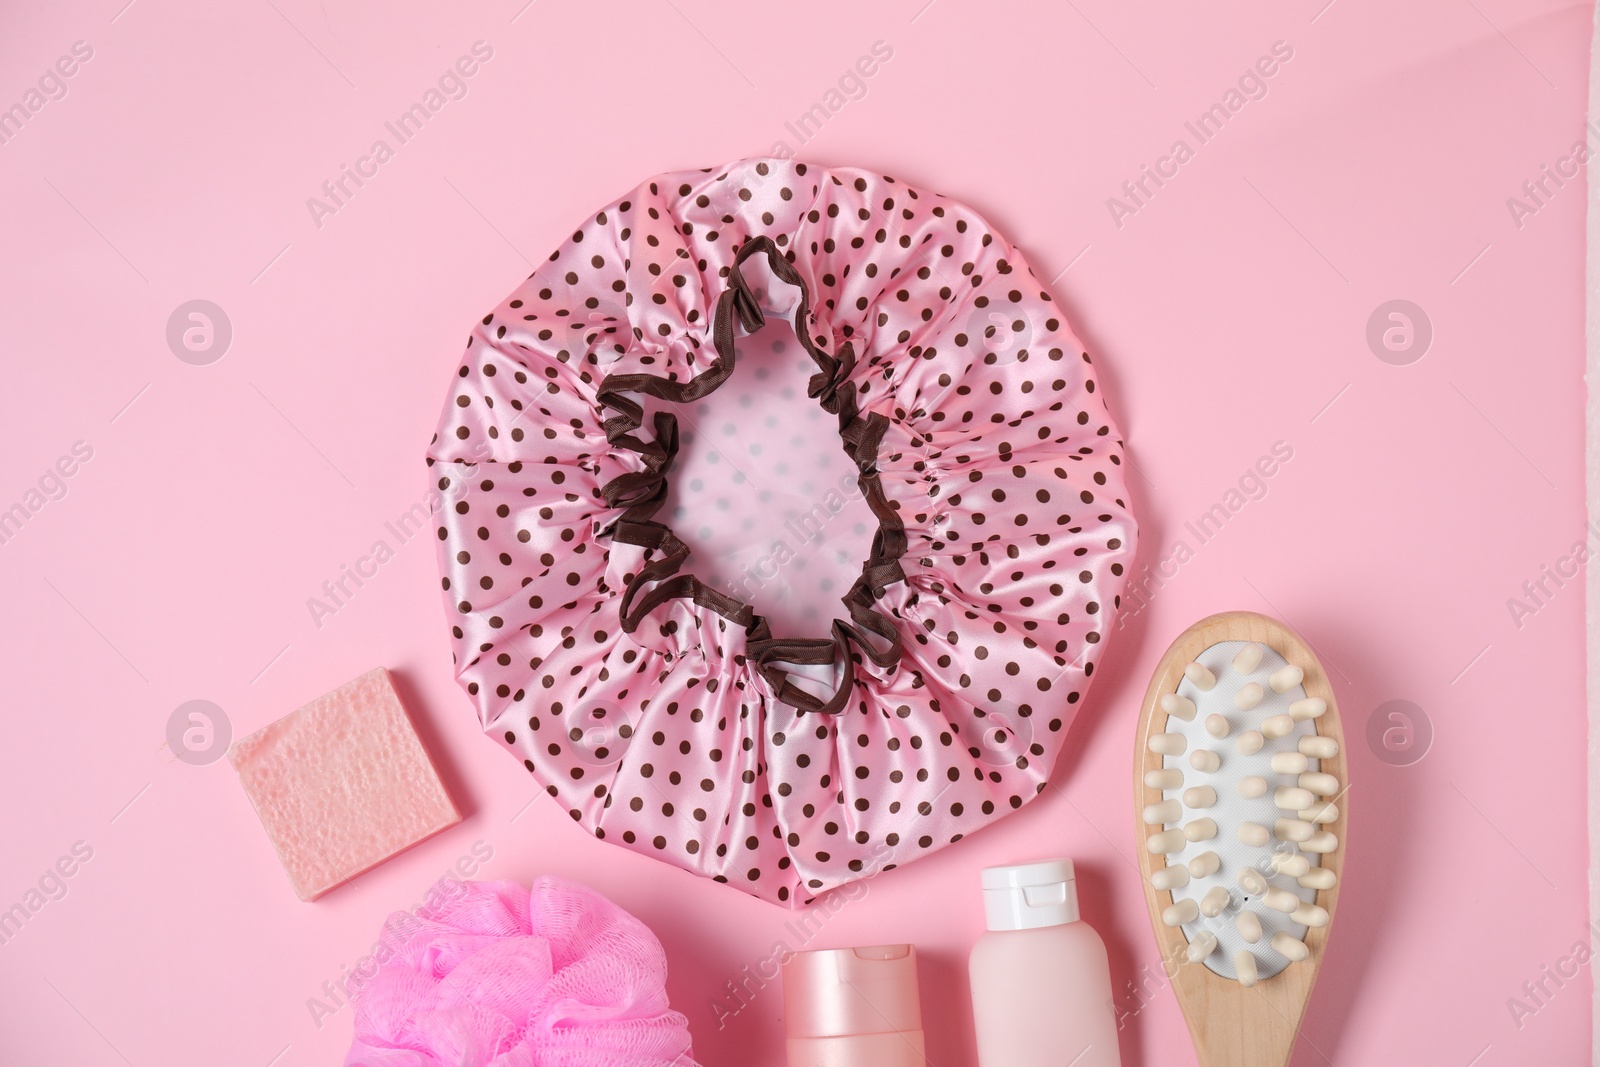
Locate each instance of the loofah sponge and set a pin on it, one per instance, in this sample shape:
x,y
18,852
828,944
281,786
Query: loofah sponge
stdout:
x,y
342,784
492,975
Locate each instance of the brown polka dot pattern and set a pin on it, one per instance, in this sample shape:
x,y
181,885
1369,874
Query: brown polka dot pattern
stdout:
x,y
651,710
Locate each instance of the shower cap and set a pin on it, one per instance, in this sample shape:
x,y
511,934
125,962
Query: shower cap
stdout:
x,y
491,975
670,716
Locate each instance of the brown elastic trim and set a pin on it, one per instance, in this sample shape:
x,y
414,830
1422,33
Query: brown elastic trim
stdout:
x,y
642,493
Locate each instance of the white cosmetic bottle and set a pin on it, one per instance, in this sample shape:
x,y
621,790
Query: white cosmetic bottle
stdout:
x,y
1041,983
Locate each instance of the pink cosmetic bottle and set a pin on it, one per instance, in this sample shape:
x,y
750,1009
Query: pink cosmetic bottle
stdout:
x,y
1041,983
853,1007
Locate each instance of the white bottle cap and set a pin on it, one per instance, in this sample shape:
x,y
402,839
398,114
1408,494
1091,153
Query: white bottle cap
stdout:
x,y
1030,895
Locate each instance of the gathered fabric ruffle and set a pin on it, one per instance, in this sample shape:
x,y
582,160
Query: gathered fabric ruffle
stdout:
x,y
663,713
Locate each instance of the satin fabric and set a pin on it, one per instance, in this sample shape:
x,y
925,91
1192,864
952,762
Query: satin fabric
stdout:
x,y
997,461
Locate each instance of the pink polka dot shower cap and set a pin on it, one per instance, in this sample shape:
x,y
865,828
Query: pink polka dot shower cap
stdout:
x,y
670,715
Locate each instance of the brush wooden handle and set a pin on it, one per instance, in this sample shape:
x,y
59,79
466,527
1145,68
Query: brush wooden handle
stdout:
x,y
1233,1026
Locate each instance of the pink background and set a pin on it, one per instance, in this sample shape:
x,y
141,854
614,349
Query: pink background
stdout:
x,y
1227,314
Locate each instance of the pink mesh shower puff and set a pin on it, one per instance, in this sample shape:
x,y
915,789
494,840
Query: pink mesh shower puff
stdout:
x,y
663,711
495,976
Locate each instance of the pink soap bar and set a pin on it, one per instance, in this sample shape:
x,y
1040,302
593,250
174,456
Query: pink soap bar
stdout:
x,y
342,784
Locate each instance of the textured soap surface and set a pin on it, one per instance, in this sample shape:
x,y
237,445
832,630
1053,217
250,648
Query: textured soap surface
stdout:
x,y
342,784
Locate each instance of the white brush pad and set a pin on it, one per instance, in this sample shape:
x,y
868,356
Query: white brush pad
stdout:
x,y
1231,809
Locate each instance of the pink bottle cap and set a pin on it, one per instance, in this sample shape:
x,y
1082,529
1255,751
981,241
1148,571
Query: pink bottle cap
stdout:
x,y
853,1007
